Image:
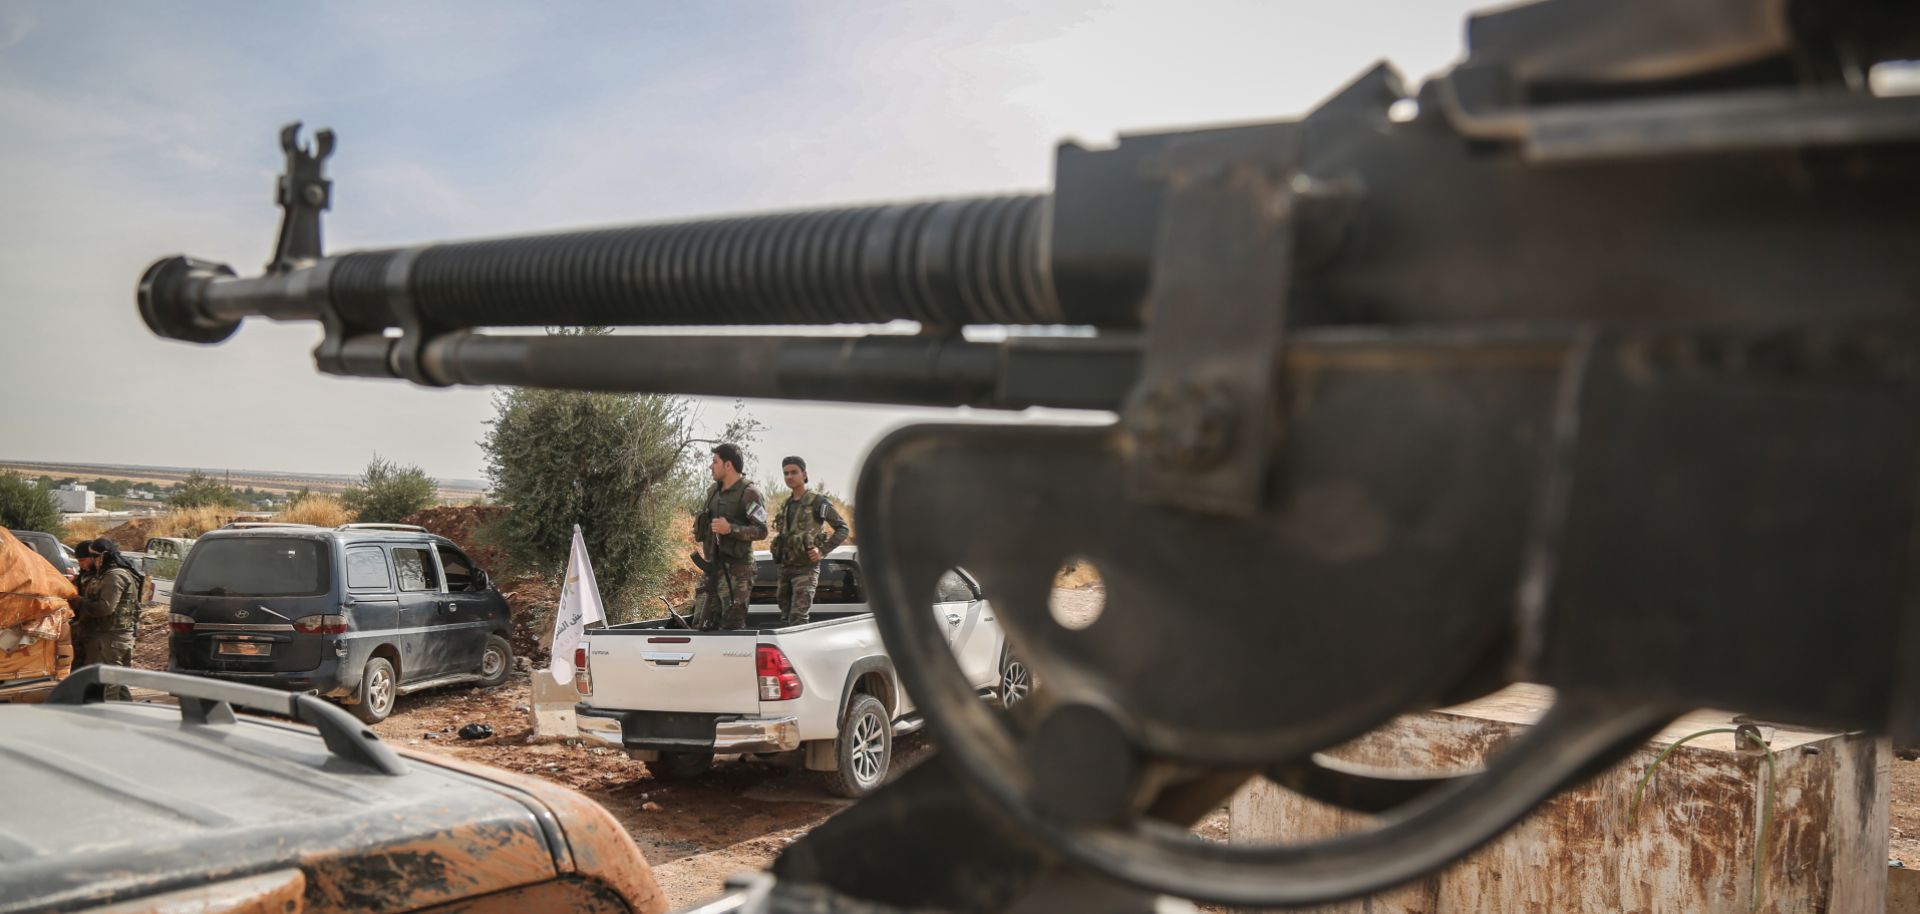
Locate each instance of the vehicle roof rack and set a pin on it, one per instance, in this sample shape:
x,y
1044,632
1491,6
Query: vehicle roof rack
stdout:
x,y
211,702
413,527
252,524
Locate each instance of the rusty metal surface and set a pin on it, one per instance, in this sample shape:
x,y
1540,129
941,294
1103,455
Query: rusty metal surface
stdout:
x,y
451,859
1689,849
560,896
278,892
597,847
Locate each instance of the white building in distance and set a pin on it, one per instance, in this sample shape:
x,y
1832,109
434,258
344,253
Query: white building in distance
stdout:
x,y
75,498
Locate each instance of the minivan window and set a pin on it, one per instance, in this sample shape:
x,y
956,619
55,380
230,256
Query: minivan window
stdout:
x,y
256,567
459,569
367,569
415,568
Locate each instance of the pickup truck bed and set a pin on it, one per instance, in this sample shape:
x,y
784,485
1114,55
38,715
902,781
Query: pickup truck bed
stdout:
x,y
658,687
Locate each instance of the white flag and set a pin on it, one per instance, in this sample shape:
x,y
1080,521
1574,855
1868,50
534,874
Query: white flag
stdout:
x,y
579,605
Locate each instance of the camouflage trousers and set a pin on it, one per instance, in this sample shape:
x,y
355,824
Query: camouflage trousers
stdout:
x,y
795,593
728,608
113,649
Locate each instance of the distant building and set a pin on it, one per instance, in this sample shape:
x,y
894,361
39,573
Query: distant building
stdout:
x,y
75,498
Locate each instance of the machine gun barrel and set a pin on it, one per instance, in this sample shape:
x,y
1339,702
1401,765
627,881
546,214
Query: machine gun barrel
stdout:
x,y
944,263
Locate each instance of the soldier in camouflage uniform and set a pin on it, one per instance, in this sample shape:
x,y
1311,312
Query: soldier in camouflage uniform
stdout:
x,y
735,515
798,544
107,611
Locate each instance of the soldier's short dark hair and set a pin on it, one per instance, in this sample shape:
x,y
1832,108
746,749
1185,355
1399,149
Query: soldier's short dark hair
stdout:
x,y
731,454
795,461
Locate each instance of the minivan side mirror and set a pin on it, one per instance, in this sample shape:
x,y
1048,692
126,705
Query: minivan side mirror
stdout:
x,y
480,580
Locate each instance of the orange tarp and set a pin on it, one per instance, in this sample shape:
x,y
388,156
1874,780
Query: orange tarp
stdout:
x,y
51,655
30,587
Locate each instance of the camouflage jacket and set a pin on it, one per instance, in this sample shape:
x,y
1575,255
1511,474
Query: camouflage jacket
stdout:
x,y
109,602
745,509
798,530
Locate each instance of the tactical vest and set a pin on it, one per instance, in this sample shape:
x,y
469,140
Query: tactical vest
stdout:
x,y
126,613
732,505
799,530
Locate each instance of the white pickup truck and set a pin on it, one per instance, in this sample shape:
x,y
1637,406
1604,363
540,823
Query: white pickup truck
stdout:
x,y
823,694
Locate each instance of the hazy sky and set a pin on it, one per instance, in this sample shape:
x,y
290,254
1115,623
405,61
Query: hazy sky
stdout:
x,y
133,131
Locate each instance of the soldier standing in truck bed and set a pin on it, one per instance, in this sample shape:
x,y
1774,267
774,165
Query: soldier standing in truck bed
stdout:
x,y
735,515
798,543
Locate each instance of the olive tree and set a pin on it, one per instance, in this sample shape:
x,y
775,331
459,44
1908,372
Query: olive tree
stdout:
x,y
615,464
388,493
26,506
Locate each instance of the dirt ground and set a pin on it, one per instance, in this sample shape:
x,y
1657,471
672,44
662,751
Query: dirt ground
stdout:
x,y
1903,832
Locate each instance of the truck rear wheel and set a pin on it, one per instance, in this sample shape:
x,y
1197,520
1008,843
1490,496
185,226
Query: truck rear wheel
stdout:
x,y
681,766
864,748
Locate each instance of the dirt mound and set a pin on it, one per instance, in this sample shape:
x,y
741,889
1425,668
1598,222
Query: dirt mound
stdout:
x,y
531,597
462,523
83,529
132,535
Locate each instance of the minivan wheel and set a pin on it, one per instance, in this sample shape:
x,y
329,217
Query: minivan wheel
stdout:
x,y
864,749
496,662
378,686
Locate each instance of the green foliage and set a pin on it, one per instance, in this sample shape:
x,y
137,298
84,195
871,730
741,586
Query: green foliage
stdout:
x,y
202,491
109,486
613,463
388,493
25,506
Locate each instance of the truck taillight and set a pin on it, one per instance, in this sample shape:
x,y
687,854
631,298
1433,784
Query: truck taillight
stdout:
x,y
778,681
582,674
180,623
327,624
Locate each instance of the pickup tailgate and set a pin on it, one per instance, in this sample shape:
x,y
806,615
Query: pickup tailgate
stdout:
x,y
657,670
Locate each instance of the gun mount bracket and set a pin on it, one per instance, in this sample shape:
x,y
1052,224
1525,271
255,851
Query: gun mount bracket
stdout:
x,y
1222,261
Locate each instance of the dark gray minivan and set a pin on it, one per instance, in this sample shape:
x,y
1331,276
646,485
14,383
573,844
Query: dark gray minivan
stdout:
x,y
360,613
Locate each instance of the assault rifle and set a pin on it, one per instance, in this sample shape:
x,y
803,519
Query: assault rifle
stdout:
x,y
713,573
1594,363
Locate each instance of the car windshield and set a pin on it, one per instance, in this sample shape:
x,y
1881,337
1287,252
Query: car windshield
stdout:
x,y
256,567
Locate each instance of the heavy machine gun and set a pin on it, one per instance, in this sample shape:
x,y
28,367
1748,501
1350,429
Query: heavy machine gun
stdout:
x,y
1594,363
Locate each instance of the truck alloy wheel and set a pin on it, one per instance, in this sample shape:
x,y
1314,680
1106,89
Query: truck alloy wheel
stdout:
x,y
1016,682
864,749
